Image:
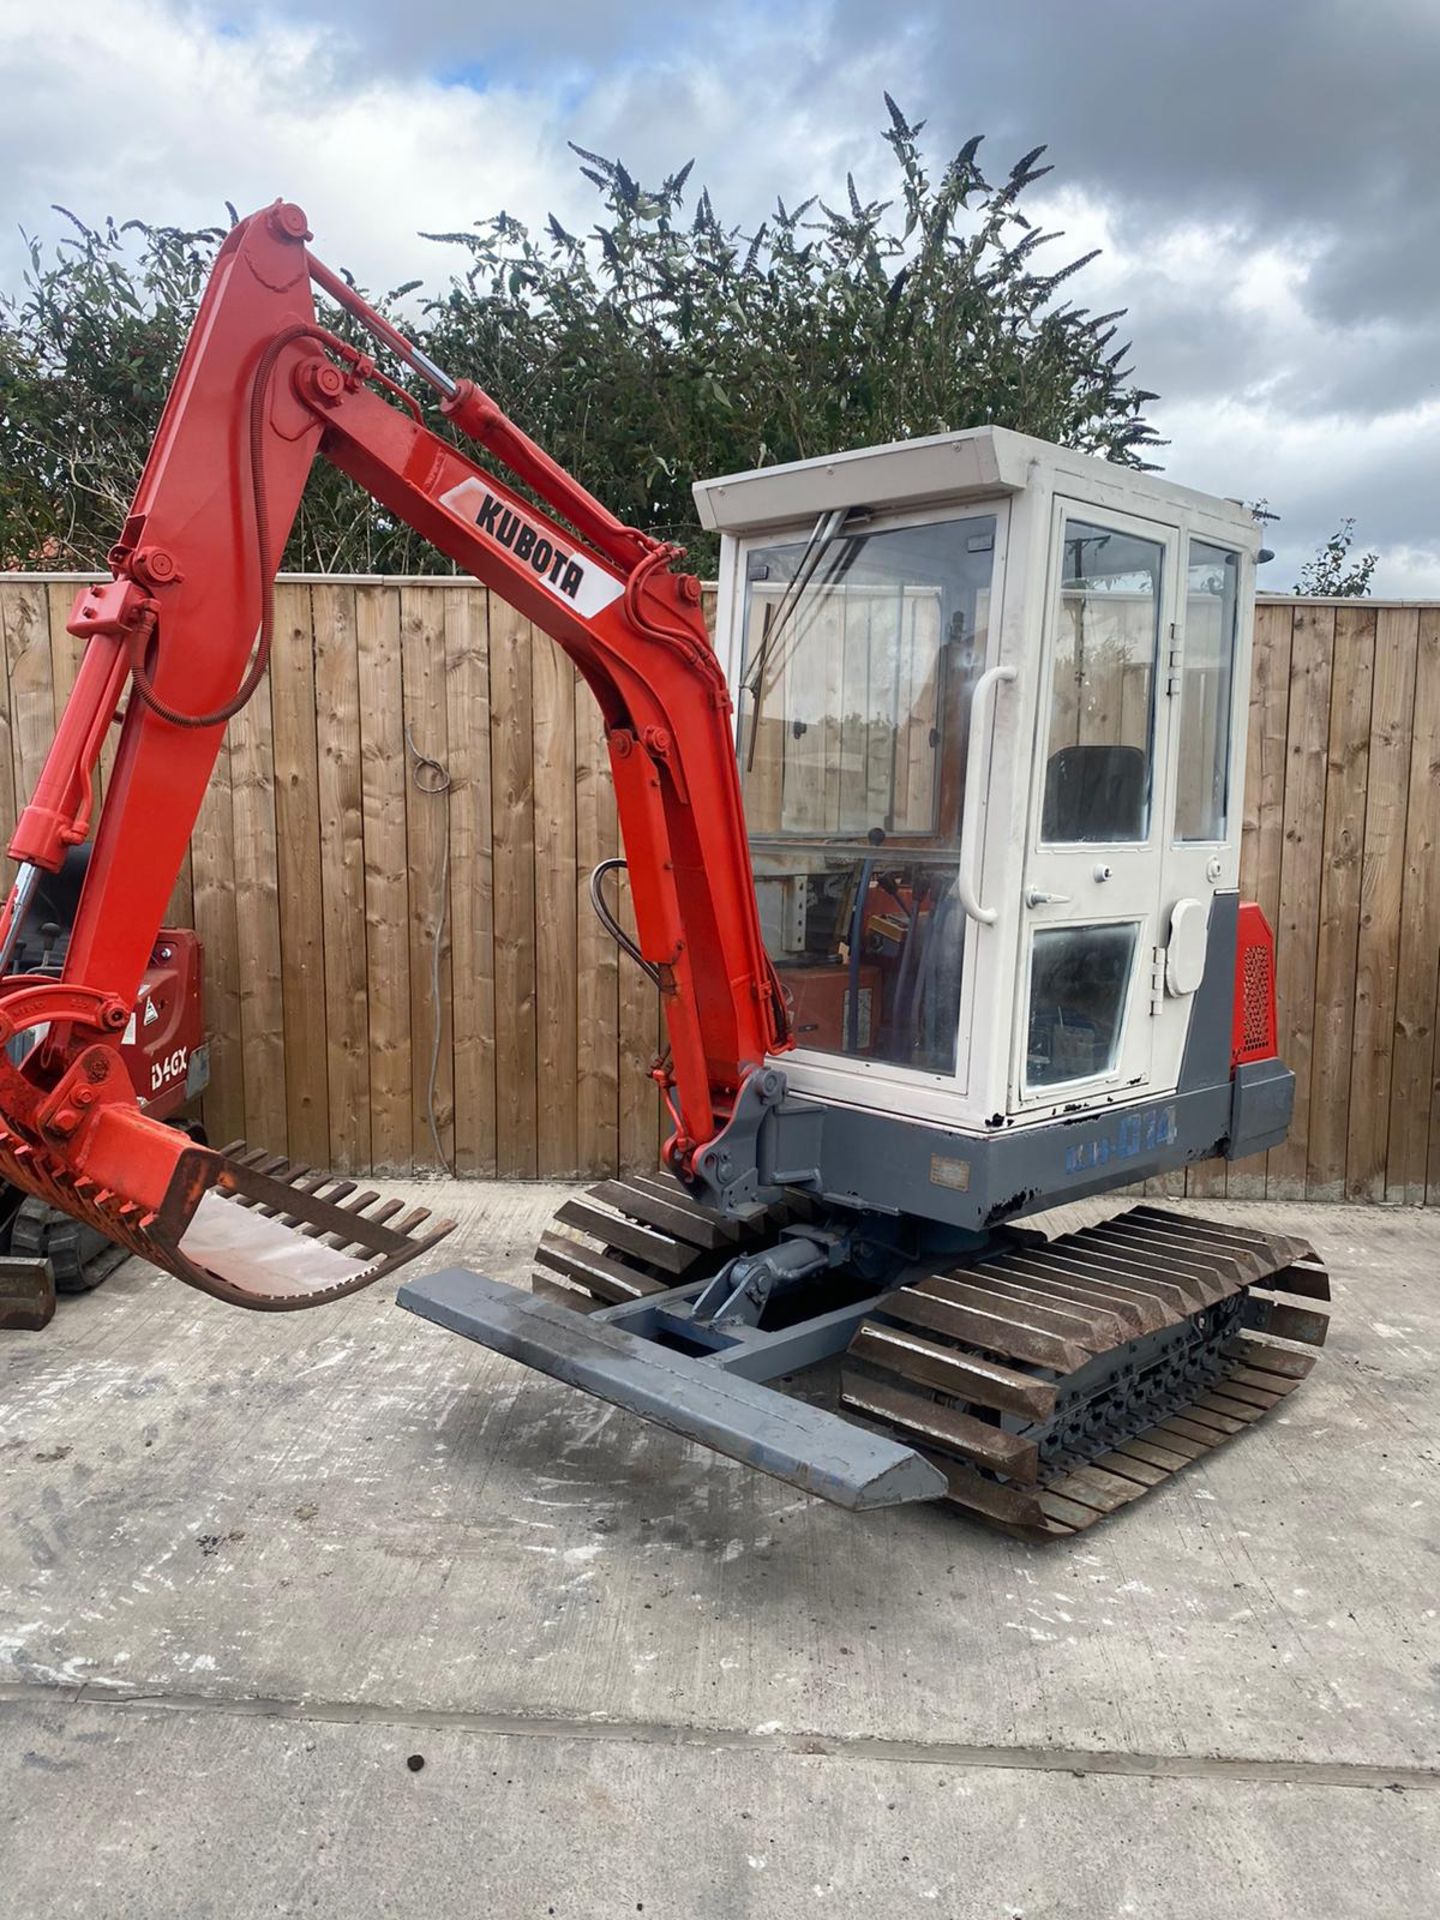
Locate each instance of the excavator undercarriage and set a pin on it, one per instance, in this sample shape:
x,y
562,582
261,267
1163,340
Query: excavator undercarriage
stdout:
x,y
1049,1379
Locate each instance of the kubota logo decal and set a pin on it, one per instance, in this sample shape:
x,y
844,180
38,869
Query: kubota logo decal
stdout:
x,y
579,583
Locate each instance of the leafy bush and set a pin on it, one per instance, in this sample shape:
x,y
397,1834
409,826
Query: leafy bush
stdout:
x,y
1333,573
649,351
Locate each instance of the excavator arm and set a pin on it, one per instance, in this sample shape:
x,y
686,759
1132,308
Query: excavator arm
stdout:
x,y
180,637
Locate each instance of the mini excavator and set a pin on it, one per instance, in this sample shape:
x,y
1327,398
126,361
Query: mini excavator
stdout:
x,y
934,860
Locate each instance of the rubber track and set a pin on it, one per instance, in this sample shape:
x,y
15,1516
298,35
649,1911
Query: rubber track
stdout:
x,y
80,1257
640,1234
950,1364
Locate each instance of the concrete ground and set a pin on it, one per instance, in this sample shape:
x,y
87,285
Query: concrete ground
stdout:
x,y
254,1570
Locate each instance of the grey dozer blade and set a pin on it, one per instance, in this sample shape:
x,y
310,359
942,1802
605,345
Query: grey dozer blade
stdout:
x,y
810,1448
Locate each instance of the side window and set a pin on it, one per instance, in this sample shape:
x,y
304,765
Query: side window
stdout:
x,y
1102,695
1202,781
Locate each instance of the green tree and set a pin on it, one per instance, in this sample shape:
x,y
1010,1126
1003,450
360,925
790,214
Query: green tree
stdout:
x,y
88,349
1333,573
87,353
662,345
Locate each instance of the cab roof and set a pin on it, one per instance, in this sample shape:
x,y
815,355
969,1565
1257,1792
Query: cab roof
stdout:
x,y
969,465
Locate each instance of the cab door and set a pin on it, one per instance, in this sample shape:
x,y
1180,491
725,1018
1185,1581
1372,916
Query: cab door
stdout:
x,y
1092,883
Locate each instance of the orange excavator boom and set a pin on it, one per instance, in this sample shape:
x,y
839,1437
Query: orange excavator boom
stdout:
x,y
178,639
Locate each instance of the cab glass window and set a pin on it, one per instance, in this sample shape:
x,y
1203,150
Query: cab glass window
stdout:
x,y
1202,781
1102,689
861,651
1079,985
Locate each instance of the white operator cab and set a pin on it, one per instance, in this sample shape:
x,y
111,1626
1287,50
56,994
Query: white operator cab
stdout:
x,y
989,701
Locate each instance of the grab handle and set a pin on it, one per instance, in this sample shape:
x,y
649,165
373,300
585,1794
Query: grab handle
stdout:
x,y
982,713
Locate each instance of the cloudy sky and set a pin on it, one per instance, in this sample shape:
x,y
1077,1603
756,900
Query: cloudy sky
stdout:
x,y
1263,179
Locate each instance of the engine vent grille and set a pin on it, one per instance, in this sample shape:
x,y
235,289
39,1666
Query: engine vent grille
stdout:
x,y
1258,986
1253,1031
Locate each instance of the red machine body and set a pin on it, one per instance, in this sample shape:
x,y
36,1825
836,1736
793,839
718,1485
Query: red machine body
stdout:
x,y
163,1045
42,1252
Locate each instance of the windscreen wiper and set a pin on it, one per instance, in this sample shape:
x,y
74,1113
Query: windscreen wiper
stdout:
x,y
822,536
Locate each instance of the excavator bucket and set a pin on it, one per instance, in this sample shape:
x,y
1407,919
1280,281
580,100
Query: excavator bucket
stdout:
x,y
251,1228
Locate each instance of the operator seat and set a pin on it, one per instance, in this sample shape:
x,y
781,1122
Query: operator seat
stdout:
x,y
1094,793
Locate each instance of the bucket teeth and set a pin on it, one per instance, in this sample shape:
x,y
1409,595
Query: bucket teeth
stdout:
x,y
1174,1329
248,1226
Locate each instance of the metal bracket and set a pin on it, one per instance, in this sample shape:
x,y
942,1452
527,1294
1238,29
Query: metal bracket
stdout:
x,y
1173,666
726,1174
1157,980
739,1294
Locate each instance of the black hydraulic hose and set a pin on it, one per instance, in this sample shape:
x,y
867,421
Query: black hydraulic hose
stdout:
x,y
607,919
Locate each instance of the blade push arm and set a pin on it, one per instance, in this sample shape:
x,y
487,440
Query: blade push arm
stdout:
x,y
184,626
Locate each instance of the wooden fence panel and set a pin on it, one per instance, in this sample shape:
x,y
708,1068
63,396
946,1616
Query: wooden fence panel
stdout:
x,y
31,688
557,1053
1297,928
257,924
302,920
1414,1125
325,865
512,753
1377,958
1347,771
472,945
342,874
384,779
427,837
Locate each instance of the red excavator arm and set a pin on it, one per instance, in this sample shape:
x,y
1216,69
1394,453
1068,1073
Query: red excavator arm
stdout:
x,y
261,390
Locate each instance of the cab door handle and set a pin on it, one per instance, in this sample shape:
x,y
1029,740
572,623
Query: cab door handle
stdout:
x,y
982,714
1037,897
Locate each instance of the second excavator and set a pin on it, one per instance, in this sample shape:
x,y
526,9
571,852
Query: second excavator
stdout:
x,y
934,858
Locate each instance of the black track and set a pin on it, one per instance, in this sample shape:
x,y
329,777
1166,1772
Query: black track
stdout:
x,y
79,1256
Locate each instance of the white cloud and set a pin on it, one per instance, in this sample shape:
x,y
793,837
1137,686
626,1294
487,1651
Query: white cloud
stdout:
x,y
154,108
1319,469
185,116
1261,394
189,114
